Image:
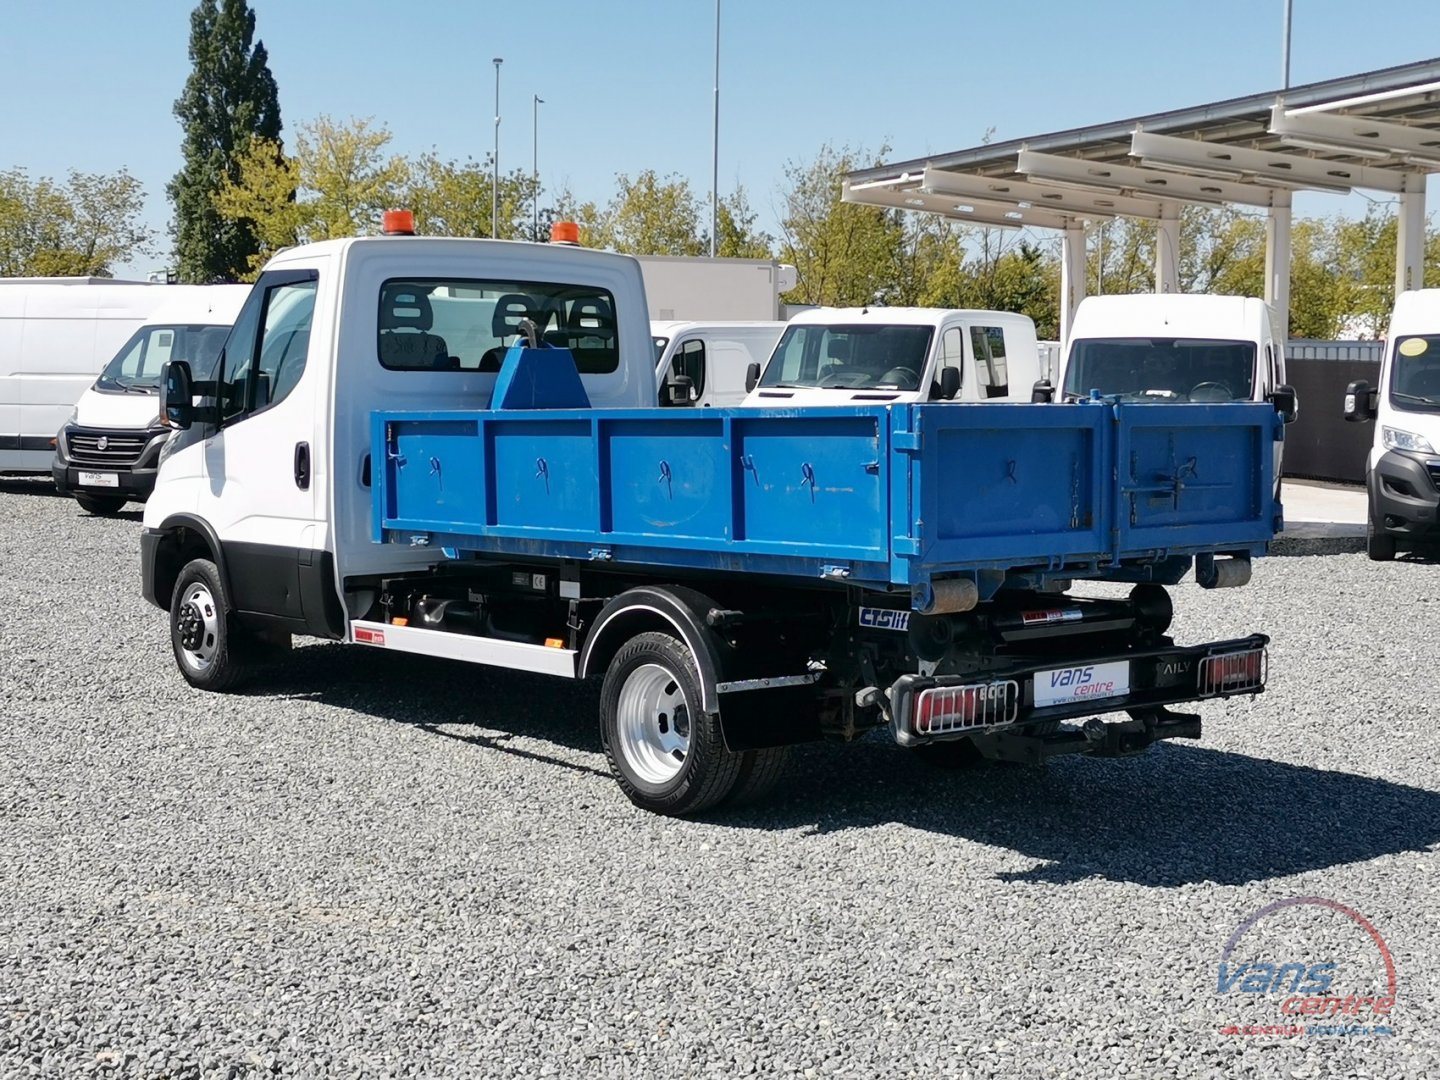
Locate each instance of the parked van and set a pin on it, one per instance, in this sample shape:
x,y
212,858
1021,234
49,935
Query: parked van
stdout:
x,y
1173,348
55,334
835,356
713,356
107,452
1402,471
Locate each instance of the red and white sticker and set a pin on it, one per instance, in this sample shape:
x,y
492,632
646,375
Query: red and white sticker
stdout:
x,y
366,636
1044,618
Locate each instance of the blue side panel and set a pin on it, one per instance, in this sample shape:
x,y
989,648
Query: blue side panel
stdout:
x,y
814,482
1012,484
1197,475
542,475
668,478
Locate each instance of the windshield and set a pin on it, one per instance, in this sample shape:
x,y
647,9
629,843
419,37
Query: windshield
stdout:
x,y
847,357
1161,369
136,367
1415,373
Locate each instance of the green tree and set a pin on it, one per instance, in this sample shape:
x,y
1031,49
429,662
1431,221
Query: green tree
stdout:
x,y
654,215
338,183
843,253
230,101
80,228
453,198
737,236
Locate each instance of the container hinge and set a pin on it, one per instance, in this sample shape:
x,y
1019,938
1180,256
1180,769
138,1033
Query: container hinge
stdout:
x,y
907,442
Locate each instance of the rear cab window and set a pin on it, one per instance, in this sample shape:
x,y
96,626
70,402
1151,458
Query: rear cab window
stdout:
x,y
443,324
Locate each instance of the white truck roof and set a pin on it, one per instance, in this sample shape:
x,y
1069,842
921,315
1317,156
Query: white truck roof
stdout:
x,y
1416,311
904,316
1189,315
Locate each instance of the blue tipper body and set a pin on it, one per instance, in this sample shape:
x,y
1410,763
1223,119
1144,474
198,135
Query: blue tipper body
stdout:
x,y
882,497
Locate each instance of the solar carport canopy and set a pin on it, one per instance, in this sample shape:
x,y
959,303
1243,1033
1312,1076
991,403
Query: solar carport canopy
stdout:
x,y
1377,131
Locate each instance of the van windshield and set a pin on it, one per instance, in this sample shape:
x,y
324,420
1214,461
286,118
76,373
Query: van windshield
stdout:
x,y
1161,369
136,367
1415,373
847,357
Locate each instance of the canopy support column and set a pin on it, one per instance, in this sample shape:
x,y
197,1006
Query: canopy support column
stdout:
x,y
1072,276
1410,237
1277,263
1167,249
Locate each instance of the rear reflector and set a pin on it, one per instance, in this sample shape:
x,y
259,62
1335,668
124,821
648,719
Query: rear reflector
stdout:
x,y
944,710
1233,672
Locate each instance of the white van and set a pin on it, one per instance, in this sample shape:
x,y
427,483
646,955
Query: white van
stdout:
x,y
1402,472
55,334
713,356
838,356
107,452
1177,348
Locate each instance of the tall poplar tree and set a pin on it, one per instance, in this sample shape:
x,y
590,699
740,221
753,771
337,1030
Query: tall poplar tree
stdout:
x,y
230,98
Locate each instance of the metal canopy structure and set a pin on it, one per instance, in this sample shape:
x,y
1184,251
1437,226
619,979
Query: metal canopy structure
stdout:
x,y
1377,131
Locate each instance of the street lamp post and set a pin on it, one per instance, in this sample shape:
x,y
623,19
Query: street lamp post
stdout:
x,y
715,147
495,161
535,167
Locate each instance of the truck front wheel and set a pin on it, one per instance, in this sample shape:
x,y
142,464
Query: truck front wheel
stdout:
x,y
100,505
666,753
212,653
1379,544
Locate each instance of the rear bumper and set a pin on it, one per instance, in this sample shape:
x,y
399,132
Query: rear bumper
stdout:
x,y
1159,677
1405,495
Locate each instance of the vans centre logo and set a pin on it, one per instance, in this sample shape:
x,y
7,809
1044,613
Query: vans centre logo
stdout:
x,y
1307,966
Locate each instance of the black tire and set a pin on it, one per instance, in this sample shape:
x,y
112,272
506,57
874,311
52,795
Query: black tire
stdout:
x,y
658,678
760,772
1379,545
211,652
951,754
100,505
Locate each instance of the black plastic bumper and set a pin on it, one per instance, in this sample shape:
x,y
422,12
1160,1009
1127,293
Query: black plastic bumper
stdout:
x,y
1405,495
135,484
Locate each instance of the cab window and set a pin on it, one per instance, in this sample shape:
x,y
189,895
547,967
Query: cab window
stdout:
x,y
991,372
267,350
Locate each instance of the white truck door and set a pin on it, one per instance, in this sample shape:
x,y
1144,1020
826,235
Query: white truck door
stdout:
x,y
260,486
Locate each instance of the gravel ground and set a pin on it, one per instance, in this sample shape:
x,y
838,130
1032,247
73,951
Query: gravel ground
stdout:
x,y
373,866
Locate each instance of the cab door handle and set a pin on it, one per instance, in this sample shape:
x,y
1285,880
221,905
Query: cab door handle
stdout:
x,y
302,466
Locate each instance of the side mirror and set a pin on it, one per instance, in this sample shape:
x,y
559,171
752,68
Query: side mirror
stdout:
x,y
1042,393
949,383
1285,402
1359,401
752,377
679,389
177,394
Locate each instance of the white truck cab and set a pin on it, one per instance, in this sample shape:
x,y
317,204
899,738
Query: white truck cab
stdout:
x,y
108,451
1173,348
1402,471
838,356
714,356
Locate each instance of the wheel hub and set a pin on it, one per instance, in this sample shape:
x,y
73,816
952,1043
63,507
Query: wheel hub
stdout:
x,y
654,724
191,626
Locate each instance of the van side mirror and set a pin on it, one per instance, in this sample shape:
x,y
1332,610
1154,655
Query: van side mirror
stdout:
x,y
949,383
177,393
1042,393
1285,402
1360,401
752,376
678,390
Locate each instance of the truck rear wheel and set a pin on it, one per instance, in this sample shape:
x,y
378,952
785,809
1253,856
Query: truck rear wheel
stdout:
x,y
100,505
666,753
212,653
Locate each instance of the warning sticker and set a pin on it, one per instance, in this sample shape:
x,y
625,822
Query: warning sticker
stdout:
x,y
1414,346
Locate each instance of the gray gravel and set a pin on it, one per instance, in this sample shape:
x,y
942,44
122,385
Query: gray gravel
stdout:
x,y
381,867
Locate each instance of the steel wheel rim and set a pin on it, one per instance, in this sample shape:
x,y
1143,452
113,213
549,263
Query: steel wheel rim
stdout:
x,y
198,627
653,724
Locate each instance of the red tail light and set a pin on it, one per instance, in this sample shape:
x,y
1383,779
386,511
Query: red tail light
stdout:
x,y
1229,673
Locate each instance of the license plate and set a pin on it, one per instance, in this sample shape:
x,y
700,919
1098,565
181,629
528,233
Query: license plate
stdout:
x,y
1087,682
99,479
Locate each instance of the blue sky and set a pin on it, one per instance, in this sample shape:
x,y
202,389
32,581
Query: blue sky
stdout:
x,y
89,84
